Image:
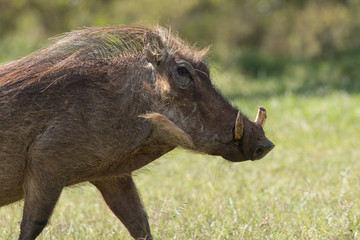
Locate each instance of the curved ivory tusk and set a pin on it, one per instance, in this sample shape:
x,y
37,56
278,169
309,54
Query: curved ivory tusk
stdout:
x,y
261,117
239,127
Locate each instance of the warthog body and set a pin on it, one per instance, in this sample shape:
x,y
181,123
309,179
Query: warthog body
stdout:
x,y
100,103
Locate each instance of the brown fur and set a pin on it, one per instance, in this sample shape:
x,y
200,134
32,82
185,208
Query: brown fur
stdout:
x,y
70,113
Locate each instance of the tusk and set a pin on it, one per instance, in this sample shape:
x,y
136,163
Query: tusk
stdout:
x,y
239,127
261,117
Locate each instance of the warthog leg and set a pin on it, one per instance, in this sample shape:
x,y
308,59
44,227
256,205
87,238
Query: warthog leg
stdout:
x,y
41,196
121,195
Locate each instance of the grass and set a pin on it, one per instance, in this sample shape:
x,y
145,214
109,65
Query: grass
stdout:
x,y
306,188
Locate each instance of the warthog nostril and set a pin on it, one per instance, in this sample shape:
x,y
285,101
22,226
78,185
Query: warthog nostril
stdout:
x,y
260,150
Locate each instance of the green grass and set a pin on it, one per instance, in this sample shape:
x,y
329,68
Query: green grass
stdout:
x,y
306,188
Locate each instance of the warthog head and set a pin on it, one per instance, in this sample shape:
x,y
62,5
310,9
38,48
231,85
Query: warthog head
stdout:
x,y
190,112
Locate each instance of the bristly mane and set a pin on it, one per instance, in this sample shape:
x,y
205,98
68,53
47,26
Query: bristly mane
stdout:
x,y
82,50
102,42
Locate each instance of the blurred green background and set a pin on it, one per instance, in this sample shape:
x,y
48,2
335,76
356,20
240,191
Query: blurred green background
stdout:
x,y
317,40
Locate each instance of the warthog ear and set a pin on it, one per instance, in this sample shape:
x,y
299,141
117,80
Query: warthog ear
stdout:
x,y
155,49
172,132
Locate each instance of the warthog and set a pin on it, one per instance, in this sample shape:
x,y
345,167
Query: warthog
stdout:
x,y
102,102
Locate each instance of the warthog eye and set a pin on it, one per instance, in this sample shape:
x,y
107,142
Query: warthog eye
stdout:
x,y
182,71
183,74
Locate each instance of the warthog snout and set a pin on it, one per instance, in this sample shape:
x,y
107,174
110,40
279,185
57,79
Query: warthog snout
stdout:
x,y
260,150
250,136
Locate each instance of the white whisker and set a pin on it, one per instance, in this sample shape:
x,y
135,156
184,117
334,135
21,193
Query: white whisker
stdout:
x,y
202,72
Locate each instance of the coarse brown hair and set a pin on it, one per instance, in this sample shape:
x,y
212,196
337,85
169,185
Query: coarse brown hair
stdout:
x,y
81,51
